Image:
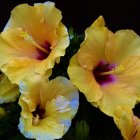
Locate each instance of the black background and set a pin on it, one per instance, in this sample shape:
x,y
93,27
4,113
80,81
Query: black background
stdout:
x,y
118,14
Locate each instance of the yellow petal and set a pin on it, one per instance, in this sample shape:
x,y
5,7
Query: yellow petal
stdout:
x,y
99,22
48,129
125,43
52,18
131,75
14,45
19,68
27,107
32,89
40,20
57,51
8,92
127,123
92,49
59,83
84,80
117,94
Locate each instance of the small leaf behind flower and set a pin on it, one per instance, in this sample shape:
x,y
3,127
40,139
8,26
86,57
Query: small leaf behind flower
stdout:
x,y
81,131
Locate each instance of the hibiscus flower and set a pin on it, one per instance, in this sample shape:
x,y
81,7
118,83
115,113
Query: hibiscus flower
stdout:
x,y
33,40
107,67
47,107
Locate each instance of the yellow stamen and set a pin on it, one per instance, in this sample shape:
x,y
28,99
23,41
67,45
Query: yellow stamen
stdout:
x,y
36,120
28,38
116,71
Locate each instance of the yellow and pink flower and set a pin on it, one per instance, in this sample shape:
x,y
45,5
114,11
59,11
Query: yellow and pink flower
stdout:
x,y
33,40
47,107
107,67
127,122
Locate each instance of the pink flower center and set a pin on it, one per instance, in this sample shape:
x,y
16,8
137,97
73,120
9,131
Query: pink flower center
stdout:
x,y
102,67
43,55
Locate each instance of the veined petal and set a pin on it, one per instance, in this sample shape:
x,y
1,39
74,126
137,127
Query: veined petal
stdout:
x,y
128,124
14,45
84,80
115,95
29,106
27,85
70,93
18,68
47,107
33,87
131,74
8,92
93,47
52,17
125,43
57,51
40,20
48,129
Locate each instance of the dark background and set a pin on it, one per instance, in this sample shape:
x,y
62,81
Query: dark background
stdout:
x,y
118,14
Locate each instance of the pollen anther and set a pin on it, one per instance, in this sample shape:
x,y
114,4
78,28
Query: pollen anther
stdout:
x,y
28,38
36,120
116,71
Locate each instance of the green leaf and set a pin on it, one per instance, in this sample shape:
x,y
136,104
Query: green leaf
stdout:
x,y
71,33
82,131
2,112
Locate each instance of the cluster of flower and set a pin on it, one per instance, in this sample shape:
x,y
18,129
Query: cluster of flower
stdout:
x,y
106,69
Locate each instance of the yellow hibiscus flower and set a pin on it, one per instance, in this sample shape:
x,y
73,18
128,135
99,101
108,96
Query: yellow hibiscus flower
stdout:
x,y
107,67
127,122
47,107
8,92
32,41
